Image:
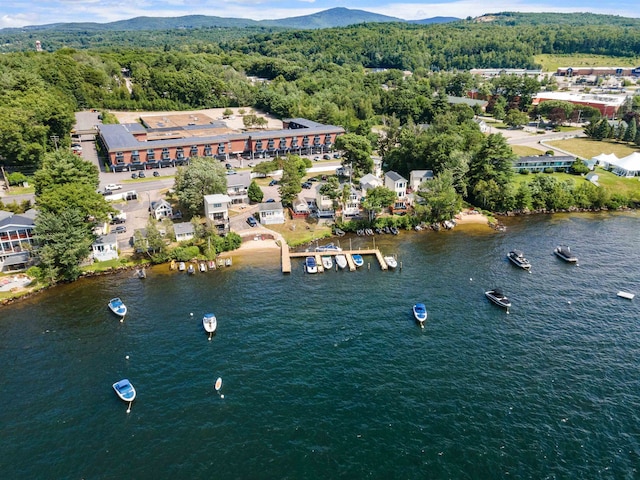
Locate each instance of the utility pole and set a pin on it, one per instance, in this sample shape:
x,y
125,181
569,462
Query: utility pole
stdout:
x,y
54,139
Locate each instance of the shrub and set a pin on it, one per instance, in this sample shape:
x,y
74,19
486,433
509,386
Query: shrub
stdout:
x,y
16,178
548,170
550,153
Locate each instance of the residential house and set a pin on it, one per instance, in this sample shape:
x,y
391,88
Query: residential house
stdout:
x,y
183,231
396,182
17,234
369,181
216,209
416,177
105,247
161,209
271,213
351,208
238,187
324,204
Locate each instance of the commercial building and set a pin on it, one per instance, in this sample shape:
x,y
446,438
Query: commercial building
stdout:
x,y
607,104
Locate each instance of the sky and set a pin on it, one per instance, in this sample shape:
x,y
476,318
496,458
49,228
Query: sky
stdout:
x,y
19,13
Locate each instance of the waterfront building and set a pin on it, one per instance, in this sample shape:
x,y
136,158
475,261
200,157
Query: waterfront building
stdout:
x,y
216,210
17,239
271,213
540,163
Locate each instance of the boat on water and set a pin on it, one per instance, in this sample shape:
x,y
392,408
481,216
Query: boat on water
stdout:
x,y
627,295
390,261
499,298
173,265
519,260
182,267
141,273
448,224
358,261
191,269
420,313
341,261
210,323
338,232
202,267
564,252
117,307
125,390
394,230
360,232
310,265
327,262
368,231
329,247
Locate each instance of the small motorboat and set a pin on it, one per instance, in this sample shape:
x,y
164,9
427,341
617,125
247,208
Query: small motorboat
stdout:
x,y
519,260
327,262
117,307
212,265
141,273
564,252
394,230
339,233
358,261
360,232
448,224
499,298
182,267
368,231
191,269
341,261
209,323
310,265
387,229
173,265
202,267
420,313
390,261
125,391
329,247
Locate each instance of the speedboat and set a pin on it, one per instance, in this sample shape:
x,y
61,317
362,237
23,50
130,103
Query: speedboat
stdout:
x,y
327,262
125,391
203,267
420,313
564,252
358,261
117,307
310,265
209,323
182,267
499,298
191,269
390,261
518,259
341,261
329,247
339,232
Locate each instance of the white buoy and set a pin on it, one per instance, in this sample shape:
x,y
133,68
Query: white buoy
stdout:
x,y
127,357
191,314
222,396
471,279
569,302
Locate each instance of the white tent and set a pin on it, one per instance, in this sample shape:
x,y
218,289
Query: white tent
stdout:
x,y
606,159
628,166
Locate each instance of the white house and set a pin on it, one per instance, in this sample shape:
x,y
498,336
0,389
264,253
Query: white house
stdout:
x,y
105,247
271,213
369,181
216,209
352,206
183,231
416,177
324,204
161,209
238,187
396,182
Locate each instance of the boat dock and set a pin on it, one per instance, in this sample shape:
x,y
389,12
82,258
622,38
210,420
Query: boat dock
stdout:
x,y
287,255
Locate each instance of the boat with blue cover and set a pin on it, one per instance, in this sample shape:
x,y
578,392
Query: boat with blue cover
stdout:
x,y
117,307
420,313
358,261
310,265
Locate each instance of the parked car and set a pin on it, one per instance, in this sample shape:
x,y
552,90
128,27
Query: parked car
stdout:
x,y
120,229
117,221
315,159
306,185
141,175
228,166
156,173
134,175
326,156
231,172
76,147
252,221
336,155
270,200
312,179
273,182
107,192
113,186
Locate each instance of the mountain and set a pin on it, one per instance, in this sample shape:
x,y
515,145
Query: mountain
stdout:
x,y
334,17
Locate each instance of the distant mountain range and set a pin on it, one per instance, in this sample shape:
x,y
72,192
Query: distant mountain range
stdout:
x,y
334,17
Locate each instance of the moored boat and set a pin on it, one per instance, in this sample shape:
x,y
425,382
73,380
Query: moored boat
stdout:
x,y
390,261
117,307
358,261
141,273
203,267
191,269
338,232
310,265
173,265
518,259
125,390
394,230
341,261
327,262
182,267
499,298
329,247
420,313
564,252
210,323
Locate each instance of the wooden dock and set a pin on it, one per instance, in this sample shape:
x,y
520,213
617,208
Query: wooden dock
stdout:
x,y
287,255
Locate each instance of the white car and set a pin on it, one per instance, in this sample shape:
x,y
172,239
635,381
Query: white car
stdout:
x,y
113,186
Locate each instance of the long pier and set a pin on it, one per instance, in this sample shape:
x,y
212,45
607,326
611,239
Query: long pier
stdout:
x,y
287,256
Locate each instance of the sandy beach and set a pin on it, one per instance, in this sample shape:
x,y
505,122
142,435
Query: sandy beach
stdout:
x,y
469,217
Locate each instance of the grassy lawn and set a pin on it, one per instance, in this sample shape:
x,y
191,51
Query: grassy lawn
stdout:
x,y
519,178
524,151
301,231
586,148
551,62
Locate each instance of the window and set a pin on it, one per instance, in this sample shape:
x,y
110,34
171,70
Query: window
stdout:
x,y
207,151
194,151
135,156
179,153
165,154
120,157
151,155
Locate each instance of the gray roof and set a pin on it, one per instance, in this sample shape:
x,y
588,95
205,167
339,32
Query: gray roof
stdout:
x,y
395,176
545,158
270,206
159,203
107,239
239,179
183,228
16,221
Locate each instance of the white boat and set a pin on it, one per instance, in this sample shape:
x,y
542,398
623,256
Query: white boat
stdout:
x,y
358,261
125,391
448,224
209,323
310,265
499,298
420,313
182,267
627,295
341,261
117,307
327,262
329,247
202,267
390,261
564,252
518,259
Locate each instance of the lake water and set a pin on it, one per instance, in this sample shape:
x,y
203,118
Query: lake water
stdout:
x,y
328,375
